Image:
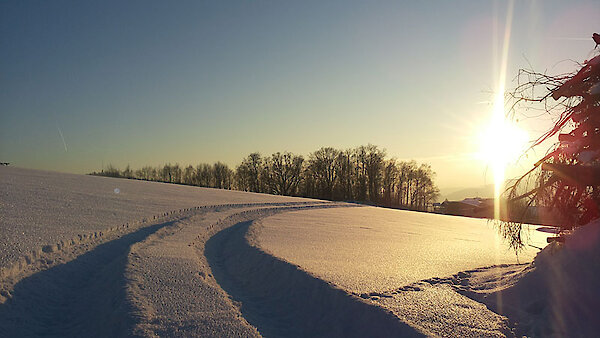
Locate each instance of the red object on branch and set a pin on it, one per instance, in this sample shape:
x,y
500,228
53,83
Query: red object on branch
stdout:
x,y
569,180
580,83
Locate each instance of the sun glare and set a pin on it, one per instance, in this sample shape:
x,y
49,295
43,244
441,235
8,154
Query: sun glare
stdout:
x,y
501,143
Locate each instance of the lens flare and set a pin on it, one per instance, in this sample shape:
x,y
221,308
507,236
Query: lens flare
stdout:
x,y
500,137
500,144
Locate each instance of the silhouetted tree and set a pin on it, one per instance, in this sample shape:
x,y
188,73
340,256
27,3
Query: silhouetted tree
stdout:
x,y
374,159
359,179
127,173
248,173
146,173
390,181
203,175
165,173
361,174
344,170
407,173
284,172
423,190
111,171
189,175
321,169
222,176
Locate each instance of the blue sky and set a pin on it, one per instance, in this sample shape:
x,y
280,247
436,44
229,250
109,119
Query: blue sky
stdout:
x,y
144,82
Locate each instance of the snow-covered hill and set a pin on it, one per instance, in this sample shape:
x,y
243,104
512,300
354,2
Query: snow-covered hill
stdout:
x,y
154,259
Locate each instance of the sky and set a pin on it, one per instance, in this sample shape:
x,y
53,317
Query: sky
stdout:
x,y
84,84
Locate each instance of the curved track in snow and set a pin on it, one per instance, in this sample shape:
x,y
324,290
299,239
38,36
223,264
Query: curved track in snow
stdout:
x,y
191,273
199,272
83,296
280,299
87,288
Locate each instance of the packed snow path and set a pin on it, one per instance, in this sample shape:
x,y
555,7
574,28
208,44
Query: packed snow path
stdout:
x,y
200,273
150,281
43,211
204,270
84,296
281,299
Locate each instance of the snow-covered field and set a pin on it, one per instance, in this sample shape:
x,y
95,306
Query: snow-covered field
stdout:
x,y
39,208
79,258
373,249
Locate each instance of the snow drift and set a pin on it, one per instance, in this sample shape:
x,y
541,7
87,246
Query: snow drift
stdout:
x,y
556,295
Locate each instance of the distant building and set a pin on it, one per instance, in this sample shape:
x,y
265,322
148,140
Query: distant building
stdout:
x,y
484,208
4,163
471,207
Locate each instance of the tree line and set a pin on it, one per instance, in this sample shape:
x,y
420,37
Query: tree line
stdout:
x,y
362,174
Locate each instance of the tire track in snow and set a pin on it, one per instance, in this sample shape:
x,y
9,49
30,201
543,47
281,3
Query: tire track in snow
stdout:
x,y
171,288
171,284
280,299
55,254
85,296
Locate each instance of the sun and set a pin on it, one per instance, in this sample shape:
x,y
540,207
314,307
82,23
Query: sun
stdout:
x,y
501,143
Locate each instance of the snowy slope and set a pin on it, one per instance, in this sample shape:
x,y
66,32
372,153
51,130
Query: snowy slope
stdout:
x,y
39,208
148,277
225,263
557,295
373,249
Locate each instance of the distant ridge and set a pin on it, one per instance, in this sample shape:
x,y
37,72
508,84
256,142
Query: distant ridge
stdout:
x,y
484,191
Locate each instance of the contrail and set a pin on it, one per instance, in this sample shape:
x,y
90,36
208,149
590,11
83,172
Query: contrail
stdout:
x,y
62,138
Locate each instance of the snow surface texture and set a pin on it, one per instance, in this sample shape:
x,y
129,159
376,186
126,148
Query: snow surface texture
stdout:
x,y
280,299
373,249
147,279
554,295
41,211
201,271
557,295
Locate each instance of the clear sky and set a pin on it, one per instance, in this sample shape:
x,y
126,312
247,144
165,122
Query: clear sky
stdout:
x,y
149,82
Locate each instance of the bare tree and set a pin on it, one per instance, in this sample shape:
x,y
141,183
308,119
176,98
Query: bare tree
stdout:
x,y
424,191
361,174
204,175
567,178
222,176
390,181
359,179
188,175
344,170
248,173
374,160
127,172
146,173
284,172
111,171
322,169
